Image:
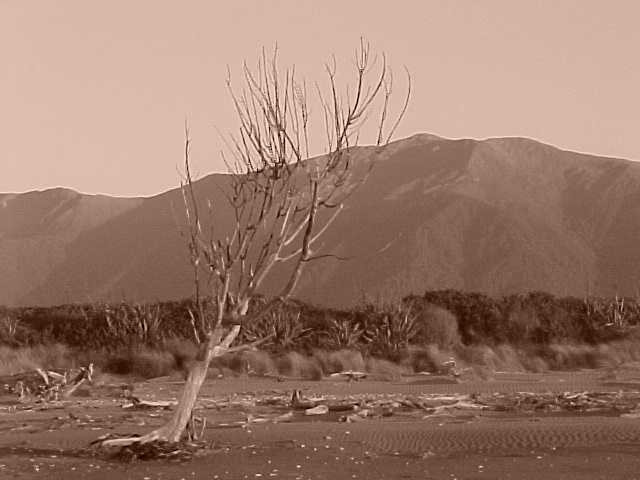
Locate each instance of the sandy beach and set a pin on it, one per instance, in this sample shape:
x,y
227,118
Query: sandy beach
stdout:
x,y
554,425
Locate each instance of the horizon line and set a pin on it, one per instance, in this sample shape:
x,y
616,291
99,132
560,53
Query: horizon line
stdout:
x,y
418,134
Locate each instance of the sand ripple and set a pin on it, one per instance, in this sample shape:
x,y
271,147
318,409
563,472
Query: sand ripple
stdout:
x,y
494,437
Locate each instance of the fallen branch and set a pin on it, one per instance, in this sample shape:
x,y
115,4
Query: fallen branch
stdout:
x,y
351,376
48,385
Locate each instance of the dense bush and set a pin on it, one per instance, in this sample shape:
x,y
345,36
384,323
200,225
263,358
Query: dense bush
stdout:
x,y
437,326
446,319
535,317
141,362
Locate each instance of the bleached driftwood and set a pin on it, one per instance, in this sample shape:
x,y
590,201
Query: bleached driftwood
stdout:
x,y
48,385
351,375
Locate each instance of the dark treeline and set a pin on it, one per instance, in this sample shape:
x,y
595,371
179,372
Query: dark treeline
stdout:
x,y
445,318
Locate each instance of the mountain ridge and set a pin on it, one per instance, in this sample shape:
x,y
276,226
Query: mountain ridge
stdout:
x,y
498,215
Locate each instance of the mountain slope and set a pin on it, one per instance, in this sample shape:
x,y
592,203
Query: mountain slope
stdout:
x,y
499,216
36,229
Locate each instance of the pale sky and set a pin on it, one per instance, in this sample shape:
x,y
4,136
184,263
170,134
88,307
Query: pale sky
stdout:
x,y
93,94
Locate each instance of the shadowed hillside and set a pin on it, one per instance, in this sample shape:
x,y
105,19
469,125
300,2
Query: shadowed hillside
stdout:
x,y
497,216
37,230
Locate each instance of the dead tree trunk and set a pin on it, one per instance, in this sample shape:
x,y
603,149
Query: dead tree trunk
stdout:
x,y
281,200
174,429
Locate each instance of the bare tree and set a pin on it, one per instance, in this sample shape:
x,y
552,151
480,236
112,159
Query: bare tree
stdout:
x,y
282,201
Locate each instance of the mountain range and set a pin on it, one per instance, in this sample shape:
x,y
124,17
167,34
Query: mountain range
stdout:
x,y
499,216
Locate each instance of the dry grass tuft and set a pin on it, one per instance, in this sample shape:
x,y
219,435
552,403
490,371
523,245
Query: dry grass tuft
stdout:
x,y
385,369
339,361
294,364
22,359
259,362
427,359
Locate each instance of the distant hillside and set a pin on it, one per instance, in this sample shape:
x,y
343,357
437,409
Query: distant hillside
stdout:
x,y
37,230
499,216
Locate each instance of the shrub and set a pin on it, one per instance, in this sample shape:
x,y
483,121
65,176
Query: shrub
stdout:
x,y
438,326
391,330
258,362
340,361
522,323
427,359
479,316
342,334
296,365
572,357
282,328
183,352
384,368
10,331
143,363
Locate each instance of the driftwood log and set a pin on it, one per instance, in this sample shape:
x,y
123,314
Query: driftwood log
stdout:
x,y
47,385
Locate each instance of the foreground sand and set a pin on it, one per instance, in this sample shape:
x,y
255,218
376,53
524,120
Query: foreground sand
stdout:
x,y
478,429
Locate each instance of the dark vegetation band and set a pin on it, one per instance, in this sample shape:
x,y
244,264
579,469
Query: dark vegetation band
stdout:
x,y
445,318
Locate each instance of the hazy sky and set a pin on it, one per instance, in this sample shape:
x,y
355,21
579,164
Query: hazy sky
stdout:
x,y
93,94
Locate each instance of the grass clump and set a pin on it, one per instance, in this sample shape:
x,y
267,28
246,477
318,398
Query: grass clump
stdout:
x,y
294,364
20,359
339,361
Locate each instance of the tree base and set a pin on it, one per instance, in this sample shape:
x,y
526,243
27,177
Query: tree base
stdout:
x,y
194,433
132,449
